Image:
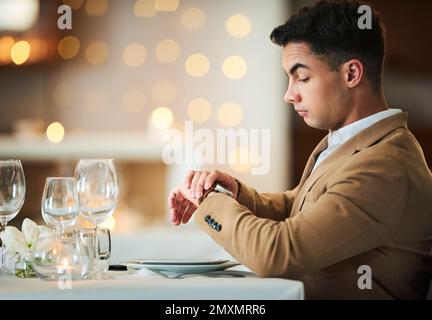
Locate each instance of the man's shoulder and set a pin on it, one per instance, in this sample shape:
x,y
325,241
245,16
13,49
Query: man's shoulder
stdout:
x,y
399,145
397,151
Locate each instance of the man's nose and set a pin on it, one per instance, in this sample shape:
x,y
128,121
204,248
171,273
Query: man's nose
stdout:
x,y
290,96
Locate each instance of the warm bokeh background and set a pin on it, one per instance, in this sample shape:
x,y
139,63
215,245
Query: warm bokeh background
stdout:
x,y
130,69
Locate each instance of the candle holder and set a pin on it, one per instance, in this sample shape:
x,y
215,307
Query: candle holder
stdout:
x,y
55,257
24,268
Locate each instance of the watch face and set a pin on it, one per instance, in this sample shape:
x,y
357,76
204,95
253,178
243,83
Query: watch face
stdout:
x,y
221,189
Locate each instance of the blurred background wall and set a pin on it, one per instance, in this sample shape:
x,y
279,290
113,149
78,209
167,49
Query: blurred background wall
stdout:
x,y
129,69
126,71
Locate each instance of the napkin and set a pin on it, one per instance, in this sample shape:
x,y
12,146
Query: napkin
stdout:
x,y
152,273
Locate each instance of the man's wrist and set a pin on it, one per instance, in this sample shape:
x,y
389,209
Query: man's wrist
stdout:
x,y
215,188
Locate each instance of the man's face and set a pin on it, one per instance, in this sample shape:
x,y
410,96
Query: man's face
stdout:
x,y
318,94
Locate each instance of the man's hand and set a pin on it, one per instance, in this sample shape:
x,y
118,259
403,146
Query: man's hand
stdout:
x,y
183,200
182,205
198,181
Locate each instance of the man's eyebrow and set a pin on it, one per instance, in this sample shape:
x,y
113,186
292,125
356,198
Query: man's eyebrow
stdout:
x,y
297,66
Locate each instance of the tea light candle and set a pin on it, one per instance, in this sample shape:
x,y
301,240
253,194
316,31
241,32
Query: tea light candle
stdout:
x,y
64,268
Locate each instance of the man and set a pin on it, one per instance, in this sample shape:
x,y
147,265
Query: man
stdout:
x,y
359,223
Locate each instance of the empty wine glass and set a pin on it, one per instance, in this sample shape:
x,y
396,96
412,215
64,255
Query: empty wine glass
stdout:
x,y
97,190
12,195
60,203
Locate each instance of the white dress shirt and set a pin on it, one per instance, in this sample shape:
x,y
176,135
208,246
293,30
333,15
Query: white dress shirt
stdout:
x,y
339,137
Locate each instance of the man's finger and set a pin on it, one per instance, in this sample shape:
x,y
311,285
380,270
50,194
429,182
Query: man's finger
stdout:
x,y
194,182
172,197
188,178
199,188
211,178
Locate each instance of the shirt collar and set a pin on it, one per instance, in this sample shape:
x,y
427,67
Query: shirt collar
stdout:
x,y
342,135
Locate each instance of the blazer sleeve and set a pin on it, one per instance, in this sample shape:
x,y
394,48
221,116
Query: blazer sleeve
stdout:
x,y
360,210
275,206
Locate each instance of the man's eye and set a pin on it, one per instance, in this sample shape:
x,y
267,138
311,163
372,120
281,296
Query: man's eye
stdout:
x,y
304,80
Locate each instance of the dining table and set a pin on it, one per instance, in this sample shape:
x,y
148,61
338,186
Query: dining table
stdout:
x,y
159,242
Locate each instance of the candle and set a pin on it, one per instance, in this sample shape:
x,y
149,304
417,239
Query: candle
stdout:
x,y
64,269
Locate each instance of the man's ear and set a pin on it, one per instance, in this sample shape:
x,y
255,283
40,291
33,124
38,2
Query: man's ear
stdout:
x,y
353,72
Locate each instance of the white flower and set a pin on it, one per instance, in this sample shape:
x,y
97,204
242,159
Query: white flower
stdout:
x,y
14,240
30,231
21,242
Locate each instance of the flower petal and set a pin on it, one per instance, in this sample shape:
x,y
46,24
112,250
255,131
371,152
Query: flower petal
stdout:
x,y
30,230
14,240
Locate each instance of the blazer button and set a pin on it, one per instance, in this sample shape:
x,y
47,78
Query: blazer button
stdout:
x,y
219,228
207,218
210,222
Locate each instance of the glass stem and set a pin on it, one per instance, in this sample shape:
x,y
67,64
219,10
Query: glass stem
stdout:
x,y
3,246
60,232
96,250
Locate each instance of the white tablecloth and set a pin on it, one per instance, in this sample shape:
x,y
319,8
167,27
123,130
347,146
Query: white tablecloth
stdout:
x,y
186,242
129,286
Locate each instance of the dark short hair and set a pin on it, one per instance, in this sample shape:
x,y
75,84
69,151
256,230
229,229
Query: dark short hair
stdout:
x,y
331,30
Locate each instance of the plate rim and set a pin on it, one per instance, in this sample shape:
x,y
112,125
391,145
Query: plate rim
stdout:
x,y
179,262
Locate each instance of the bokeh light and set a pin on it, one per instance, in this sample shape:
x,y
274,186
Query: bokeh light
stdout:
x,y
20,52
162,118
234,67
167,51
96,7
238,26
199,110
6,44
68,47
145,8
74,4
97,52
55,132
197,65
167,5
134,55
193,19
230,114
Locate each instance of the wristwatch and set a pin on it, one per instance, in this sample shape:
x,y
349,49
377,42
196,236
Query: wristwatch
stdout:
x,y
216,187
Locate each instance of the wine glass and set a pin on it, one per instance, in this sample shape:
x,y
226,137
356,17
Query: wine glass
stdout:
x,y
12,195
97,190
60,203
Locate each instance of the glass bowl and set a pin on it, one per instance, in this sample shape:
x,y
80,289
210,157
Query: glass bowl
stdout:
x,y
54,257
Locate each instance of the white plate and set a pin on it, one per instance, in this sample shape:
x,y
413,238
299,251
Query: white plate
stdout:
x,y
183,268
176,261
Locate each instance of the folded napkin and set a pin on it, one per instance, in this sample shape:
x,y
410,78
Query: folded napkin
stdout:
x,y
147,272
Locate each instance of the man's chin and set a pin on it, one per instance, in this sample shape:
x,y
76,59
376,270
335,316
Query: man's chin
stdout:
x,y
314,124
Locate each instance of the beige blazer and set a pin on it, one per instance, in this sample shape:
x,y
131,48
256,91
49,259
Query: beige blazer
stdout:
x,y
367,204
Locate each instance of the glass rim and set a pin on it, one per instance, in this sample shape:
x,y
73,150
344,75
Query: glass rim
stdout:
x,y
10,160
92,231
60,178
96,159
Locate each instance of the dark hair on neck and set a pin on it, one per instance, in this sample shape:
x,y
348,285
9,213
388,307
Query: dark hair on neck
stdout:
x,y
330,30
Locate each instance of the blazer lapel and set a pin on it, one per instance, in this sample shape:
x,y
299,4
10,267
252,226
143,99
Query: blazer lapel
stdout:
x,y
312,159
